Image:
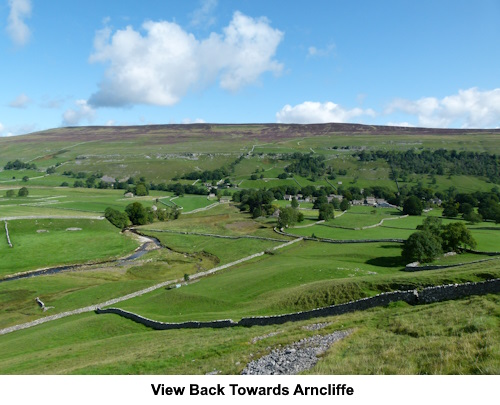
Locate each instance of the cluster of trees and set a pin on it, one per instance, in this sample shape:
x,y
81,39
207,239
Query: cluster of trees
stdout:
x,y
440,162
306,164
179,189
465,205
22,192
18,165
257,202
433,238
137,214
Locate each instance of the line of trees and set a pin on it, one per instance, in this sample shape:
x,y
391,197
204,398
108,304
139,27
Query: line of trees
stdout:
x,y
440,162
18,165
136,214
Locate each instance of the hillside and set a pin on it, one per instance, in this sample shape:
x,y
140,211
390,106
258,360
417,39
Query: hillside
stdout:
x,y
206,222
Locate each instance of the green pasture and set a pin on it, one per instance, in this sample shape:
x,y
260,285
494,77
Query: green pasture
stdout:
x,y
55,245
398,339
108,344
70,201
91,285
223,219
255,287
192,202
224,250
360,216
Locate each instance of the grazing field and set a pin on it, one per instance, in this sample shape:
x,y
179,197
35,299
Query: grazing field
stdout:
x,y
83,174
40,243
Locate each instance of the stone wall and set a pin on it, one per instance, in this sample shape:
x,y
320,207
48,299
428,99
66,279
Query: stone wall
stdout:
x,y
341,241
444,266
412,297
7,233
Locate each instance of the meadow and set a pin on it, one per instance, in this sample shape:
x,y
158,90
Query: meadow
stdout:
x,y
57,225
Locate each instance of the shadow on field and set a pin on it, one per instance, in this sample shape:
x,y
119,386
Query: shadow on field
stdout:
x,y
387,261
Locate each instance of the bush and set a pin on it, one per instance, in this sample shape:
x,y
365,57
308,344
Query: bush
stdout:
x,y
117,218
23,192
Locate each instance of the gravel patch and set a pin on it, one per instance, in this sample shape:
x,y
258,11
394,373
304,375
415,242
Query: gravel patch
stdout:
x,y
293,359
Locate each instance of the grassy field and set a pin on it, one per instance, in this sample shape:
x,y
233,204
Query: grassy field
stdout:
x,y
459,337
48,242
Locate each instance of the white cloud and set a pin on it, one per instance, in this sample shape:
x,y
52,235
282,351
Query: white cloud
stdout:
x,y
318,52
399,124
310,112
469,108
82,112
204,15
17,29
166,62
21,101
191,121
17,129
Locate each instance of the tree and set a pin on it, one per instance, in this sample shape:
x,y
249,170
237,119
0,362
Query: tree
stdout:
x,y
412,206
23,192
25,178
490,209
456,236
345,204
10,193
141,190
432,225
473,217
117,218
295,203
326,212
450,209
137,214
421,246
288,217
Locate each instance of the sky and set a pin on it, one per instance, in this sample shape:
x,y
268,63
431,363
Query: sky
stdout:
x,y
129,62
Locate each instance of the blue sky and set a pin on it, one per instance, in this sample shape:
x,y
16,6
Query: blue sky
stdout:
x,y
389,62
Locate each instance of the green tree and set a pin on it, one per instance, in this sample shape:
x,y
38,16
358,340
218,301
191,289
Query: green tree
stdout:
x,y
421,246
295,203
326,212
10,193
412,206
473,217
450,209
432,225
345,204
137,214
287,217
141,190
456,236
23,192
117,218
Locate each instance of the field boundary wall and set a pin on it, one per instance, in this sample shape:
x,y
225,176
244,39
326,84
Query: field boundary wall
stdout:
x,y
413,297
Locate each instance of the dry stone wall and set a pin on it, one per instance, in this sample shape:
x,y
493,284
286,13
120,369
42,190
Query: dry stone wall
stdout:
x,y
412,297
341,241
